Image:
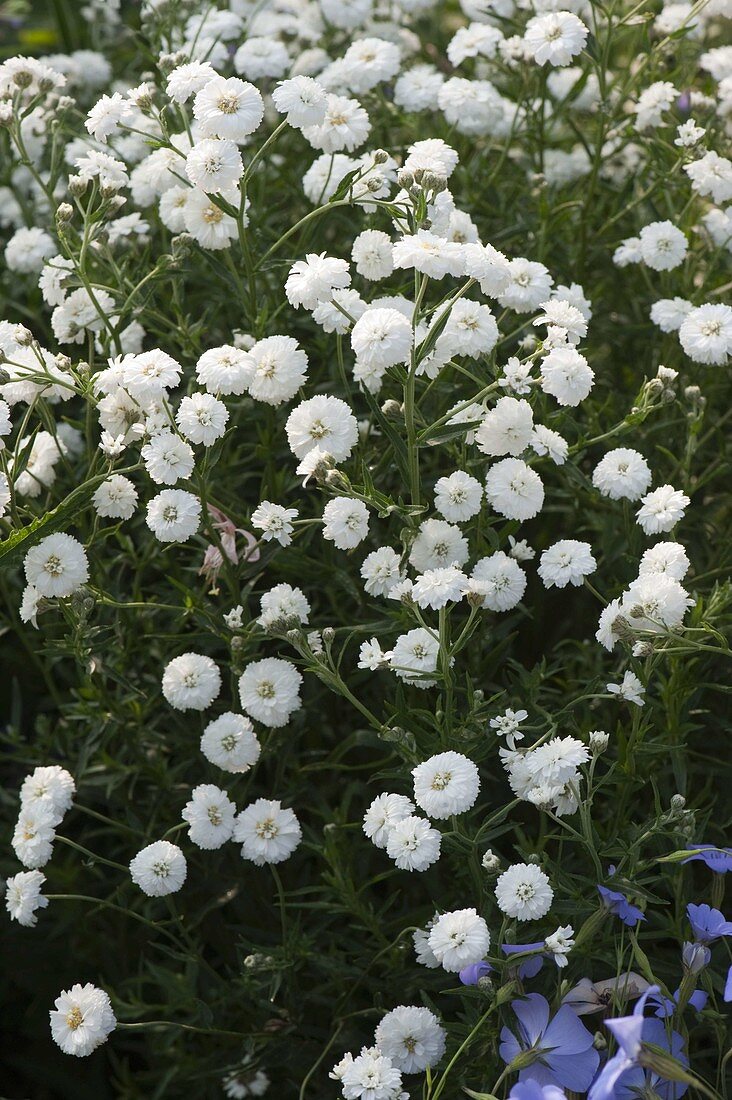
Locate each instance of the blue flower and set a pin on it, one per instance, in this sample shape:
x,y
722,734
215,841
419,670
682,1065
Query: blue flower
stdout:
x,y
716,859
471,975
619,905
623,1077
667,1006
727,995
562,1050
531,1090
707,924
528,968
695,956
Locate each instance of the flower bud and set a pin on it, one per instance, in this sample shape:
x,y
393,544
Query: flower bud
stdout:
x,y
405,179
599,741
22,336
77,186
490,861
64,213
23,78
328,634
695,956
392,409
380,156
677,803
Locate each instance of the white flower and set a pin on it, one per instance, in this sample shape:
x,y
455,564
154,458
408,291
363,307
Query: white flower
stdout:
x,y
214,165
345,125
566,375
191,682
270,691
655,602
665,559
210,814
437,587
429,254
458,497
446,784
411,1037
371,656
386,811
115,498
663,246
173,515
506,428
57,566
431,155
159,869
524,892
414,656
267,832
711,175
670,313
230,743
314,279
167,458
555,37
507,725
413,844
630,689
514,490
706,334
500,580
23,897
381,338
34,834
229,108
560,943
437,545
147,376
302,100
547,442
623,474
561,313
516,376
225,370
322,421
202,418
370,1076
661,509
52,787
82,1019
530,285
458,939
566,562
653,101
372,254
274,521
370,61
345,522
381,571
283,603
28,249
423,951
106,115
262,57
207,223
185,80
417,88
280,367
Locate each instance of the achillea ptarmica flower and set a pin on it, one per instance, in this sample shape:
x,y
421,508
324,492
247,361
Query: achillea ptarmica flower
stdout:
x,y
82,1020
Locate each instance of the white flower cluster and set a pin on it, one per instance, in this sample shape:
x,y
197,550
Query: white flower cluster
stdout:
x,y
412,417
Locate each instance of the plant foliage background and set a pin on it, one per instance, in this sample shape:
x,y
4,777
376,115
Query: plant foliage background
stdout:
x,y
284,969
